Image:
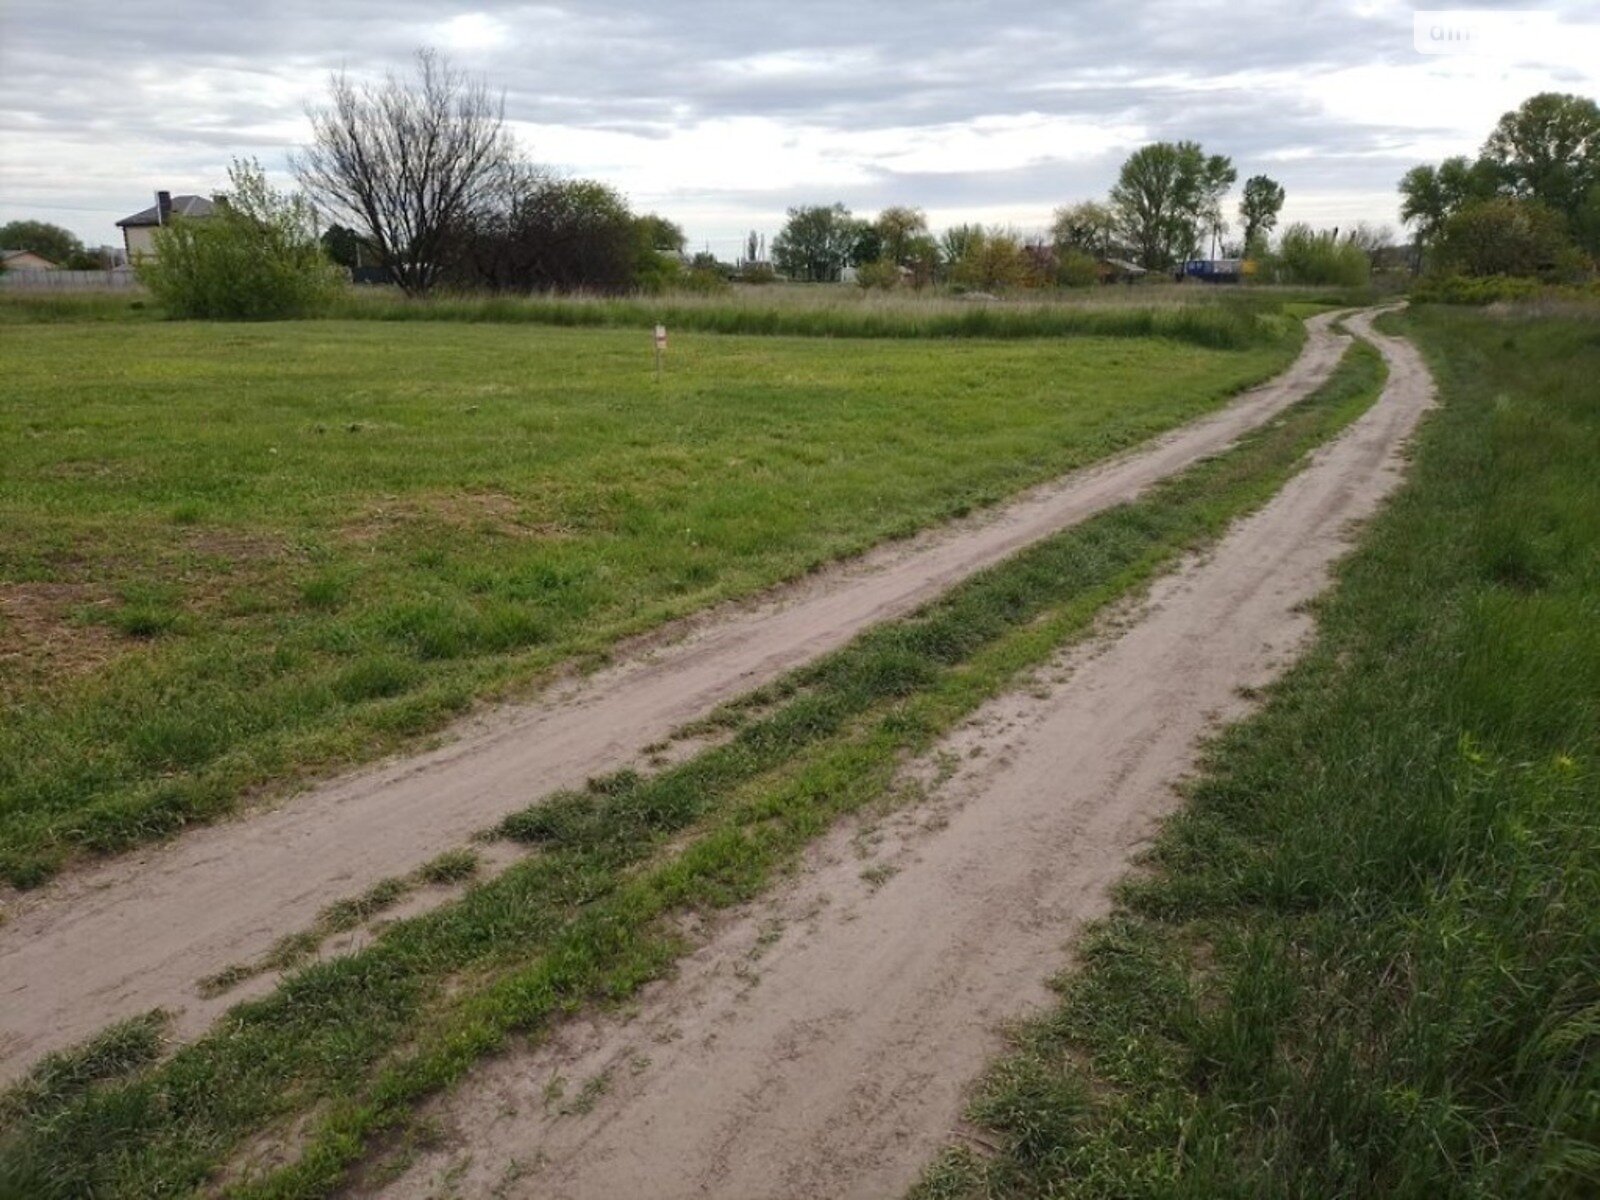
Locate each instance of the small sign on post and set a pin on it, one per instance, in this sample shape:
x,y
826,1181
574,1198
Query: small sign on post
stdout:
x,y
661,347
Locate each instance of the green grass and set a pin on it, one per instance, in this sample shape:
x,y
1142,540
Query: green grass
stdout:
x,y
345,1049
1367,959
1216,317
25,307
237,553
1223,320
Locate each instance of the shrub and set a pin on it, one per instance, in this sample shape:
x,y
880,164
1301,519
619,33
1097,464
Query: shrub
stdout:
x,y
703,281
256,258
992,259
758,273
883,274
1306,256
658,272
1505,236
547,234
1495,289
1075,269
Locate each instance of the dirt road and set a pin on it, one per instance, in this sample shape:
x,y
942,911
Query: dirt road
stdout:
x,y
820,1045
136,933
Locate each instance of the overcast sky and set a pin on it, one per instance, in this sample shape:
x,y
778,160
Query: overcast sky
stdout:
x,y
721,115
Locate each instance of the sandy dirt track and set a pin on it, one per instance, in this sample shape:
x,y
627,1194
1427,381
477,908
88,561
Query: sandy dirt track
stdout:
x,y
821,1044
135,933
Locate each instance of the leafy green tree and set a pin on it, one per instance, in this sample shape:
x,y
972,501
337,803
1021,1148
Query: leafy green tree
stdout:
x,y
957,241
1165,195
348,248
1586,224
1422,202
658,263
257,257
992,259
924,259
882,274
1259,209
898,229
44,239
1429,195
660,234
1548,150
866,244
543,233
1507,236
1076,269
1219,175
1086,229
816,243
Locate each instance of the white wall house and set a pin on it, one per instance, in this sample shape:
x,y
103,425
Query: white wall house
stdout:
x,y
139,230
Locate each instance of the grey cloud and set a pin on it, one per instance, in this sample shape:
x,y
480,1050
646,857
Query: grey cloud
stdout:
x,y
82,73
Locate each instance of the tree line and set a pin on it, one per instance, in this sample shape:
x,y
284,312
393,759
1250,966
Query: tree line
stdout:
x,y
1528,205
60,246
434,188
1167,207
423,181
424,184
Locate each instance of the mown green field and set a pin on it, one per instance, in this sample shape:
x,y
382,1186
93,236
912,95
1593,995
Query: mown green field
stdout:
x,y
1367,961
237,553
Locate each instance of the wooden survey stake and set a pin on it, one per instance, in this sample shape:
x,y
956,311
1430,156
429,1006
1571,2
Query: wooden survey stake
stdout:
x,y
661,347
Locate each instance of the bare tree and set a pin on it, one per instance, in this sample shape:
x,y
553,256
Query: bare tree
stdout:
x,y
406,160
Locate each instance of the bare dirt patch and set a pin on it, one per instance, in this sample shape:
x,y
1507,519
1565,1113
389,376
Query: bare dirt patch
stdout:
x,y
479,513
40,636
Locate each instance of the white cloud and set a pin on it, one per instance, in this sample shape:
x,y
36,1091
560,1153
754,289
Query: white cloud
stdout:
x,y
471,31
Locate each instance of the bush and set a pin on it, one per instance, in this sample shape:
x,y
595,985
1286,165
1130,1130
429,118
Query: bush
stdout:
x,y
992,260
1494,289
758,273
703,281
882,274
1075,269
549,234
657,272
257,258
1306,256
1505,236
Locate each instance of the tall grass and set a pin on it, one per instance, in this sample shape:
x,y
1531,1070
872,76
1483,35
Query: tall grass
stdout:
x,y
1212,317
1205,320
25,307
1368,960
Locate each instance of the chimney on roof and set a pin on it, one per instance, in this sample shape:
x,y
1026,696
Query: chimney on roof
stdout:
x,y
163,207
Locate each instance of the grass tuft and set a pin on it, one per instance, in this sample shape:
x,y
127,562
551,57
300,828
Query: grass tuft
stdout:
x,y
453,866
59,1079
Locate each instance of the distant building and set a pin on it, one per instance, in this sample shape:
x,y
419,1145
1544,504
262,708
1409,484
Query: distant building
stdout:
x,y
139,230
1218,270
24,260
1118,270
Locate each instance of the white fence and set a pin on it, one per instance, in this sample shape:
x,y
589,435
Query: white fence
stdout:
x,y
68,281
